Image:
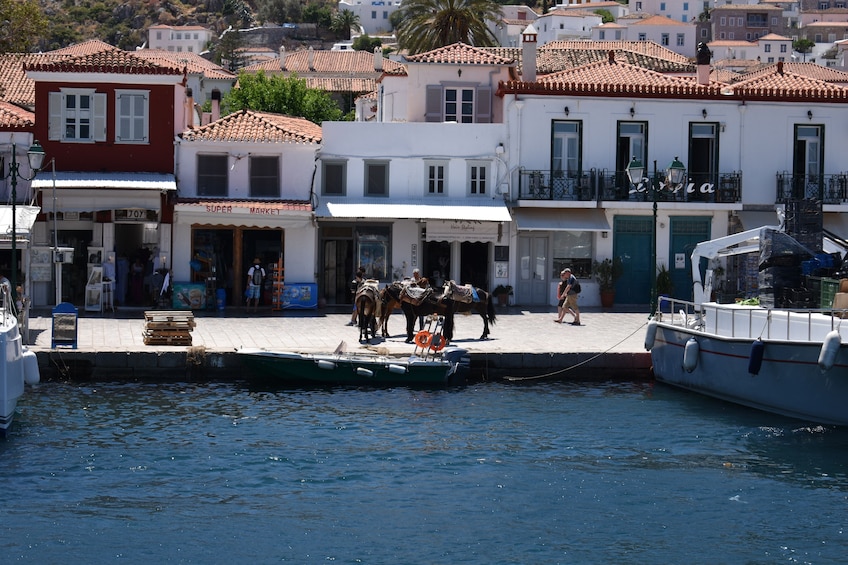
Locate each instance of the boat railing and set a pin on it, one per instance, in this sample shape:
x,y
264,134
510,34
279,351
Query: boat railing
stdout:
x,y
752,321
6,304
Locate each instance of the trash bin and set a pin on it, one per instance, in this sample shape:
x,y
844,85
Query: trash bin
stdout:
x,y
221,298
65,319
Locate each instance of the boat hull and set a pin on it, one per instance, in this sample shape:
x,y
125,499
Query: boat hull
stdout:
x,y
11,371
353,369
789,380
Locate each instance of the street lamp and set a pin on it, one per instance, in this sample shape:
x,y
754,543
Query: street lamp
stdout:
x,y
674,175
35,155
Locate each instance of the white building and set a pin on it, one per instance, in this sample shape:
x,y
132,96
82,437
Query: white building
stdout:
x,y
373,14
188,39
676,36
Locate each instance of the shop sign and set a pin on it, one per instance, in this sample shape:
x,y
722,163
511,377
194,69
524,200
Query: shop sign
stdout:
x,y
136,215
254,210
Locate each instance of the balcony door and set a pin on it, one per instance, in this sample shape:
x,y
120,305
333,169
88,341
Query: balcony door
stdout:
x,y
703,160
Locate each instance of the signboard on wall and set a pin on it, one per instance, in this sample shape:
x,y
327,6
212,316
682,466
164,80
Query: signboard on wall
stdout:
x,y
129,215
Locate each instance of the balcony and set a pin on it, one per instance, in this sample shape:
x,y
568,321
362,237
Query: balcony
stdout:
x,y
613,186
830,189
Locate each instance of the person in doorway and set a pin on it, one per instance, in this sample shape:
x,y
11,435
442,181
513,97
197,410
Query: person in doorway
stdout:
x,y
567,297
255,276
355,284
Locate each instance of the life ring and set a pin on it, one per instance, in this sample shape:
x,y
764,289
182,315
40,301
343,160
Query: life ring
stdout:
x,y
438,342
423,339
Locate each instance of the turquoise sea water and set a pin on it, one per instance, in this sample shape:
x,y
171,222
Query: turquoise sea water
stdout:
x,y
491,473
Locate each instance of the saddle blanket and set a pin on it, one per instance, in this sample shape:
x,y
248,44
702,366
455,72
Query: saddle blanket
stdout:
x,y
465,293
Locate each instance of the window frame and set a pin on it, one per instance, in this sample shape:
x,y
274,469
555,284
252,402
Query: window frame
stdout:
x,y
436,175
477,184
139,125
264,183
330,178
376,181
220,174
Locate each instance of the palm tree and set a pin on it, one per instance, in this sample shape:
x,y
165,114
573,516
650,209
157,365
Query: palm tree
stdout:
x,y
343,22
428,24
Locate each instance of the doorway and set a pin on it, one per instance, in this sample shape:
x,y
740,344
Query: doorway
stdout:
x,y
532,284
436,262
474,264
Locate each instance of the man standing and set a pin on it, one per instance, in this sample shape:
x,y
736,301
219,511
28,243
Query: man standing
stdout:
x,y
255,276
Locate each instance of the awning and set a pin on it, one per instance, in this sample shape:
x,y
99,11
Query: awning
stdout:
x,y
464,230
487,210
24,219
559,219
91,192
836,223
752,219
247,213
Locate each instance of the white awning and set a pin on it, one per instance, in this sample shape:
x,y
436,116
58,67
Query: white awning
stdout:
x,y
24,220
559,219
246,213
487,210
91,192
464,230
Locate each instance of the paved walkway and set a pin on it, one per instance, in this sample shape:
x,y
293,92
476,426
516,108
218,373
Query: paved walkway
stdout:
x,y
517,331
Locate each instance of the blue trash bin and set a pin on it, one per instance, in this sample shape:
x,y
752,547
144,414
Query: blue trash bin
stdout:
x,y
221,298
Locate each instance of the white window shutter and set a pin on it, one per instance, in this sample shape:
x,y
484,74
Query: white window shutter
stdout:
x,y
98,122
54,122
484,105
433,104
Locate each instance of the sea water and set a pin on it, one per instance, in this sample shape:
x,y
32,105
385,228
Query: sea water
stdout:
x,y
615,472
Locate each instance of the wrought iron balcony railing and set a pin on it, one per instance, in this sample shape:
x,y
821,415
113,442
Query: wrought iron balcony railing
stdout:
x,y
604,185
830,189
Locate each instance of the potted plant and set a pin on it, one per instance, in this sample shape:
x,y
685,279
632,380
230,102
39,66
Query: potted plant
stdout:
x,y
606,273
664,284
502,292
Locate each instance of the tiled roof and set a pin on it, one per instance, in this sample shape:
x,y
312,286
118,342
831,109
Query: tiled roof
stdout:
x,y
775,37
111,60
257,127
658,21
794,76
562,55
612,74
15,118
333,62
194,63
84,48
15,87
459,53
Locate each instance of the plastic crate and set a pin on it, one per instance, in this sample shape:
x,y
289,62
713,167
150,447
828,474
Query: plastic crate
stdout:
x,y
829,288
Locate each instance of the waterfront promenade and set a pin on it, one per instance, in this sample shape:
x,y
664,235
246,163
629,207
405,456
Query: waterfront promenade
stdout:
x,y
521,339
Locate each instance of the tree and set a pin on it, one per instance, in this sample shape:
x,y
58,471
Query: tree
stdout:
x,y
343,22
429,24
803,46
366,43
606,15
22,25
281,95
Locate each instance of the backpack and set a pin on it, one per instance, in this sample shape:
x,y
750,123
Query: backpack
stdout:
x,y
576,286
257,275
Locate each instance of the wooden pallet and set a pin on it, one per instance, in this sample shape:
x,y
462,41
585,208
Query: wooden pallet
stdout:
x,y
168,327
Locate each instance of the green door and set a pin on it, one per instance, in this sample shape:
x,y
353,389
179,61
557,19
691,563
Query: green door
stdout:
x,y
632,243
686,232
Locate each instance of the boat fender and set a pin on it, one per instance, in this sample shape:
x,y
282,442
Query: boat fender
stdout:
x,y
830,347
690,355
650,335
31,374
755,361
363,372
397,369
423,339
326,365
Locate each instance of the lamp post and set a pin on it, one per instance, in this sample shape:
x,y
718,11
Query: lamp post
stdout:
x,y
35,155
675,174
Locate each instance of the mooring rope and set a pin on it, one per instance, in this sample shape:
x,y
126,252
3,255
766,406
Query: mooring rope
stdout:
x,y
590,359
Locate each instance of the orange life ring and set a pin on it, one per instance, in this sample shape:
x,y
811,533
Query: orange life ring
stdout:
x,y
423,339
438,342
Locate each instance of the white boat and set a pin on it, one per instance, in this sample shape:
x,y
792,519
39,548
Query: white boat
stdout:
x,y
20,365
787,361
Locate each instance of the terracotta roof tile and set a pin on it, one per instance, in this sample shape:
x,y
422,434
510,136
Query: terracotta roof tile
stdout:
x,y
194,63
808,70
659,21
257,127
612,74
111,60
15,87
325,61
84,48
459,53
778,82
15,118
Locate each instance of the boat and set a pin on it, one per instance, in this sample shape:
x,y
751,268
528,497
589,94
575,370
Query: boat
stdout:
x,y
431,364
782,359
20,365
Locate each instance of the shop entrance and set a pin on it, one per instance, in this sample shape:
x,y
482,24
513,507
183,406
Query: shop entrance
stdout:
x,y
437,262
75,275
474,268
267,246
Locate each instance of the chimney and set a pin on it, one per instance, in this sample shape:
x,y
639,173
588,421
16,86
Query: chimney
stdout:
x,y
282,57
528,54
780,67
378,59
702,57
189,109
611,56
216,105
310,61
